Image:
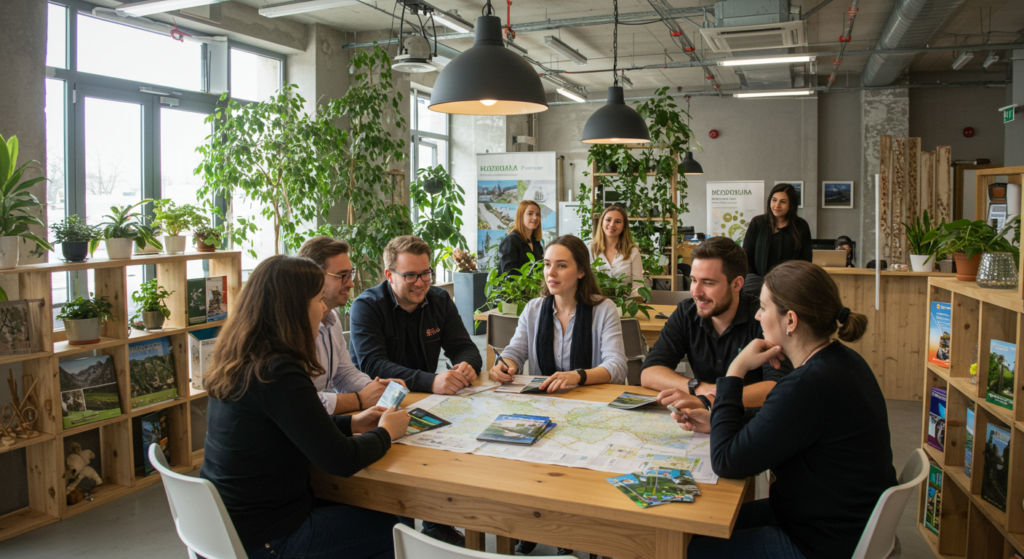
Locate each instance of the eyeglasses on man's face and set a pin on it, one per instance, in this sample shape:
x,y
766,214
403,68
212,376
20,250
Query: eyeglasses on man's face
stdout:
x,y
344,276
411,277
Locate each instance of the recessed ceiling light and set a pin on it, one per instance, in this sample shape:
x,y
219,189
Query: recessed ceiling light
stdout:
x,y
150,7
768,60
294,8
780,93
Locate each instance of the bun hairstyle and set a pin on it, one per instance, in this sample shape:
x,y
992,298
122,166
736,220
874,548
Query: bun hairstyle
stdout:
x,y
808,291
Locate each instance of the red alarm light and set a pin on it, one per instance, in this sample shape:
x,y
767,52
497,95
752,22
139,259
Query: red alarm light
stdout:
x,y
968,132
713,134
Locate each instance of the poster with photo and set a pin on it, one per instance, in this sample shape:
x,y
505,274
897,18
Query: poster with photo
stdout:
x,y
503,181
731,206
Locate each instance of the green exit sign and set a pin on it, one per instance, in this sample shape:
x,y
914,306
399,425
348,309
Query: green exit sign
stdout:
x,y
1008,113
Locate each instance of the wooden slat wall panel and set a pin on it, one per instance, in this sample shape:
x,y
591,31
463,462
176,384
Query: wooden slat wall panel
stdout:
x,y
910,182
885,188
943,187
899,214
913,206
927,188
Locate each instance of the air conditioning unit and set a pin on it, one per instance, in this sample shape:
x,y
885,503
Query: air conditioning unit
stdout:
x,y
785,34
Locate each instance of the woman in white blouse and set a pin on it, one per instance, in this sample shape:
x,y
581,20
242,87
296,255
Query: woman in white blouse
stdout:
x,y
614,246
571,333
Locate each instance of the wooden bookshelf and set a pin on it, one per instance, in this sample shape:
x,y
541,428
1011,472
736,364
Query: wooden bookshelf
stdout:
x,y
44,455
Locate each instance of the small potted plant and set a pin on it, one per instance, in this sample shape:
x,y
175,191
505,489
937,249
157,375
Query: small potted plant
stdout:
x,y
84,317
122,229
174,219
19,208
73,234
511,291
150,249
621,293
152,310
922,252
968,240
208,237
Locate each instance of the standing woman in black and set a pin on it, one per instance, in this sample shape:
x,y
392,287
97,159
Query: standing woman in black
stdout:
x,y
522,239
776,236
266,425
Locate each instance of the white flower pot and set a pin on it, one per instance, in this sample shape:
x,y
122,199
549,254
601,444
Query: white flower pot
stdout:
x,y
119,249
175,244
513,309
9,252
917,262
82,331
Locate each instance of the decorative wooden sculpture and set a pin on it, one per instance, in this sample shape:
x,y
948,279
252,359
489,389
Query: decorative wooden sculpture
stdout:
x,y
18,418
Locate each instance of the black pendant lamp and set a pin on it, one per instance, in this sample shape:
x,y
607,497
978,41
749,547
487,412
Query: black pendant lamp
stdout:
x,y
615,122
690,165
488,79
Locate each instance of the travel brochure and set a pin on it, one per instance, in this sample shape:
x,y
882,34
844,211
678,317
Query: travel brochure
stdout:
x,y
516,429
523,384
88,390
969,442
938,333
151,372
393,395
630,401
1001,363
933,501
995,473
421,420
657,486
937,419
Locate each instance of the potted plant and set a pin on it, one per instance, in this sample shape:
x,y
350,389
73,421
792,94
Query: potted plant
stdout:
x,y
19,208
84,317
439,200
922,252
150,249
621,293
122,229
511,291
152,310
174,219
470,286
967,240
208,237
73,234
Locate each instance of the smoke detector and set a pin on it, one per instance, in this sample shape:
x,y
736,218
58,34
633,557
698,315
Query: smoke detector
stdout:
x,y
415,57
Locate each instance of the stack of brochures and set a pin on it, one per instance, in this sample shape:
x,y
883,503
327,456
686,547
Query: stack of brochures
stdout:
x,y
657,486
517,429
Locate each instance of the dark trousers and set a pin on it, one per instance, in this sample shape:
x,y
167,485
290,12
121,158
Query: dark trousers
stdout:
x,y
755,537
334,530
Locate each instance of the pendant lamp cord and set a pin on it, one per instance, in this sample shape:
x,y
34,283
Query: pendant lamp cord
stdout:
x,y
488,9
615,45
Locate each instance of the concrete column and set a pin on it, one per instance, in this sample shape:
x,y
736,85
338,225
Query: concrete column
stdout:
x,y
471,135
883,111
1013,153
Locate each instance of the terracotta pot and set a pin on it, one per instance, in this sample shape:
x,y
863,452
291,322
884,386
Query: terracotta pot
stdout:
x,y
966,269
201,246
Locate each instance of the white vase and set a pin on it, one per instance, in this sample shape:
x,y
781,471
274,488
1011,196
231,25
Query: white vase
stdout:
x,y
917,262
174,244
9,252
119,249
83,331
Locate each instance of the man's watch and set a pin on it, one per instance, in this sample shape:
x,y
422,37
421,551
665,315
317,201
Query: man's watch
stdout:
x,y
704,400
583,376
692,385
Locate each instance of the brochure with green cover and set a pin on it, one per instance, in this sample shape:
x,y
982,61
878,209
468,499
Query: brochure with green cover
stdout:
x,y
151,370
88,390
196,301
516,429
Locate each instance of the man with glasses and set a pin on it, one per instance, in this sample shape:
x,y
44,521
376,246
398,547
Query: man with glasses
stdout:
x,y
399,329
344,388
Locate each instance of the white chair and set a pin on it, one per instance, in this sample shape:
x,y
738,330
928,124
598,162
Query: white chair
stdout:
x,y
879,539
410,544
199,515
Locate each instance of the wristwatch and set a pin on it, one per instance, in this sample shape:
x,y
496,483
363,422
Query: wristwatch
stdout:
x,y
692,385
704,400
583,376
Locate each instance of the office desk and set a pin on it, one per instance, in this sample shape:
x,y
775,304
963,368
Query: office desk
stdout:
x,y
572,508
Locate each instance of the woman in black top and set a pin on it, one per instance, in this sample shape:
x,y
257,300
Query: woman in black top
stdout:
x,y
522,239
266,425
845,243
776,236
823,430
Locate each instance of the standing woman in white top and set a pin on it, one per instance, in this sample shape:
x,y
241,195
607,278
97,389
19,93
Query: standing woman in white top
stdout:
x,y
614,246
571,333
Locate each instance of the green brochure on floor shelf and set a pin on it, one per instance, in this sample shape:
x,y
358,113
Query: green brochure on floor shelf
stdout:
x,y
196,301
151,370
1001,361
995,474
88,390
933,500
969,442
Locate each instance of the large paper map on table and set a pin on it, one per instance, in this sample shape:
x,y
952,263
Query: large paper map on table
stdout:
x,y
588,435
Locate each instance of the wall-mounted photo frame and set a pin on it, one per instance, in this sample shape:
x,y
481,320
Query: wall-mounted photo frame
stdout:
x,y
799,186
837,195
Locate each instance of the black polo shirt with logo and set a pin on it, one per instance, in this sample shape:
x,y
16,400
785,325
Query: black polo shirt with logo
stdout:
x,y
686,334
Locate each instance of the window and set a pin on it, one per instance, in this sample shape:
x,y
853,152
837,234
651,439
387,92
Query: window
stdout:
x,y
429,135
180,133
57,36
254,77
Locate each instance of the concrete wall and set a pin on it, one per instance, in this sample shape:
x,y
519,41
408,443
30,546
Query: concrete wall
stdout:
x,y
1013,132
839,159
939,115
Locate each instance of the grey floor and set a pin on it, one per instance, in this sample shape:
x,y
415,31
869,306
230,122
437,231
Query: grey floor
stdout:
x,y
140,525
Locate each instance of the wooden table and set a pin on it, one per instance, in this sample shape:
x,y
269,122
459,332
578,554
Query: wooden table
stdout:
x,y
573,508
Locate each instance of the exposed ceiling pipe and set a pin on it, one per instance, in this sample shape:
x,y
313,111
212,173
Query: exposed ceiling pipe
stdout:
x,y
844,40
815,9
679,37
911,24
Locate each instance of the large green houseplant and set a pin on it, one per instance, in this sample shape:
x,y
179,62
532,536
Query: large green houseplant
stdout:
x,y
19,208
124,227
439,200
967,240
512,290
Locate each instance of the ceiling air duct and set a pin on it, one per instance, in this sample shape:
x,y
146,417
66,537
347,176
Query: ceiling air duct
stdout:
x,y
911,25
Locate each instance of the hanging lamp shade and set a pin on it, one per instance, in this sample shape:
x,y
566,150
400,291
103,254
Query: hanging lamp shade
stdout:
x,y
488,79
615,123
690,165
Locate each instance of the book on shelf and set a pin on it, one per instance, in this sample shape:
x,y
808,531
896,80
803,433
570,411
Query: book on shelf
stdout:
x,y
995,474
88,390
151,370
516,429
937,419
200,350
938,333
933,502
969,442
153,429
196,288
216,298
1001,359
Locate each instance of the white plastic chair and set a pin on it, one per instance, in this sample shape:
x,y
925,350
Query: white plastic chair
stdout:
x,y
410,544
199,515
879,539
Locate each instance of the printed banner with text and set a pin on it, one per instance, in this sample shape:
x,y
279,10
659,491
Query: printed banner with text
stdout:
x,y
504,180
731,206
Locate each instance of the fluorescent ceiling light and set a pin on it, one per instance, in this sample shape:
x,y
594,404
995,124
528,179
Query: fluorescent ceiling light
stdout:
x,y
769,60
962,60
150,7
626,81
516,48
555,44
453,21
990,60
571,95
780,93
294,8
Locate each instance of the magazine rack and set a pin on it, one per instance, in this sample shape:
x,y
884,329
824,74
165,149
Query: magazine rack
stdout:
x,y
968,524
44,455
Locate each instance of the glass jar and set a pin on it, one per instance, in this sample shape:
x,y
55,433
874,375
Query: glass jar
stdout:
x,y
997,271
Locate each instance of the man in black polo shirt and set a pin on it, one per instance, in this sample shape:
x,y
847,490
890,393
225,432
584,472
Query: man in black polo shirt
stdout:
x,y
710,329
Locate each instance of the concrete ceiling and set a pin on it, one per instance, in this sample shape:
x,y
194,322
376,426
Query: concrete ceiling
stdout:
x,y
977,22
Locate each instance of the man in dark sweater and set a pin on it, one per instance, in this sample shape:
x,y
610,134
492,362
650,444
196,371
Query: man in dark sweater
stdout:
x,y
400,327
710,329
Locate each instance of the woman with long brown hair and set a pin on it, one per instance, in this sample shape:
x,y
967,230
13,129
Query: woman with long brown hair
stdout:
x,y
777,236
823,430
523,238
613,244
266,425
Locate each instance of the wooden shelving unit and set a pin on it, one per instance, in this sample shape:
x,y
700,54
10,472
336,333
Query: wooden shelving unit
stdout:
x,y
44,455
672,220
